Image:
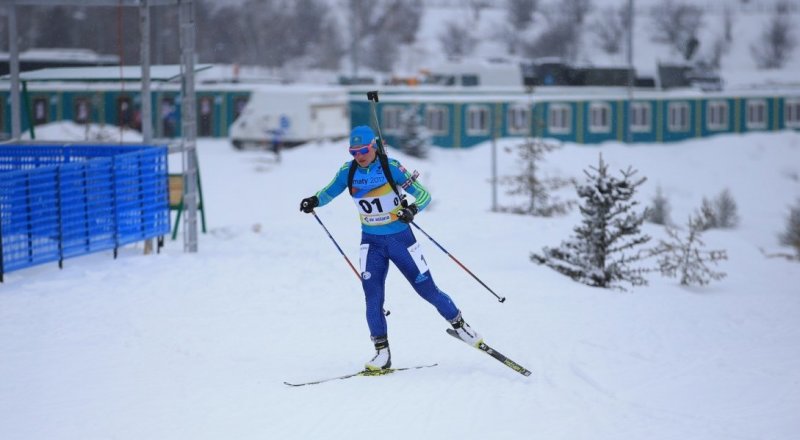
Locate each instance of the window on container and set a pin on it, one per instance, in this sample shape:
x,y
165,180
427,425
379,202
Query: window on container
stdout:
x,y
756,114
599,117
436,120
40,111
717,115
792,113
560,119
678,113
477,120
83,110
390,121
641,121
518,120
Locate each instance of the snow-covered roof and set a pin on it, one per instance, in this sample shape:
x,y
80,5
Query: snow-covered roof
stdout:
x,y
64,55
92,2
109,73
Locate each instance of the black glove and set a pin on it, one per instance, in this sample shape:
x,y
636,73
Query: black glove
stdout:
x,y
406,215
308,204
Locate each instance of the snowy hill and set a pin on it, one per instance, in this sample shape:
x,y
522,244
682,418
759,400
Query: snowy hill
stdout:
x,y
179,346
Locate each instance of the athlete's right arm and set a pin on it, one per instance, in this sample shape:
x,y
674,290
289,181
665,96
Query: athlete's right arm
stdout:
x,y
337,185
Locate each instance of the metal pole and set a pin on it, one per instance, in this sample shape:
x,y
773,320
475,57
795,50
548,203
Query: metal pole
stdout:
x,y
189,124
629,133
145,110
494,173
146,105
13,59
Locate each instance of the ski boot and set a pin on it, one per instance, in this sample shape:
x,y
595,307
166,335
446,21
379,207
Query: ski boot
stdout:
x,y
383,357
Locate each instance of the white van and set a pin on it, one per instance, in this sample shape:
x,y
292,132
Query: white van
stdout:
x,y
291,114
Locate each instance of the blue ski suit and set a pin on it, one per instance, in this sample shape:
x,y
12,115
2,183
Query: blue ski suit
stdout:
x,y
384,237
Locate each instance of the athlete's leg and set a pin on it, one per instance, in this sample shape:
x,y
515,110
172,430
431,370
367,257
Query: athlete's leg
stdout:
x,y
374,264
406,253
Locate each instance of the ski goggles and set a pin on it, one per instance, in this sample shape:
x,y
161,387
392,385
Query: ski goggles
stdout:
x,y
362,150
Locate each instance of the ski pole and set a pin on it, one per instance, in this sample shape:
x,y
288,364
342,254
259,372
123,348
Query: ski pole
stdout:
x,y
385,312
336,244
499,298
373,99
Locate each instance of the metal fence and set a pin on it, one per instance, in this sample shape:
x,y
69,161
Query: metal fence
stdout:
x,y
58,202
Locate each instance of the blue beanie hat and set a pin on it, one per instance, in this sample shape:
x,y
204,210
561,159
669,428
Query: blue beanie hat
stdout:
x,y
361,135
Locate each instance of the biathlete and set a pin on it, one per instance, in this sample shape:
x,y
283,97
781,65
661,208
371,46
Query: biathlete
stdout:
x,y
386,236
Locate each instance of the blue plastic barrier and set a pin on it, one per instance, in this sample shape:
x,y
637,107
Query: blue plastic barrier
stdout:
x,y
58,202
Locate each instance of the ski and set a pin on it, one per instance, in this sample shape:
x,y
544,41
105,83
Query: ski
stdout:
x,y
495,354
383,372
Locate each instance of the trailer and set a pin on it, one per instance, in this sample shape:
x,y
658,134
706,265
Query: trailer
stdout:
x,y
288,115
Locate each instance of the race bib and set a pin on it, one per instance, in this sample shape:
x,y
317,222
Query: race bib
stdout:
x,y
378,210
416,254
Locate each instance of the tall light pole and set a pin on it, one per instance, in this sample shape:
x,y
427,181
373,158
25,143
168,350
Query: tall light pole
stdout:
x,y
629,133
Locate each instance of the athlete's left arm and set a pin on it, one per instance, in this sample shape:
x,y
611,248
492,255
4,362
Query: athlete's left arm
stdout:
x,y
404,179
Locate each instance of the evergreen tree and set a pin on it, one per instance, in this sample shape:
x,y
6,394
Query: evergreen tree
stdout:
x,y
684,258
602,250
659,209
414,138
531,185
791,235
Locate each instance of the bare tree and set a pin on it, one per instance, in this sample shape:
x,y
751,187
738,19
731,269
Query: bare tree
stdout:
x,y
519,16
683,257
530,183
457,40
721,212
519,13
575,11
477,6
610,28
560,39
677,25
379,26
777,41
728,20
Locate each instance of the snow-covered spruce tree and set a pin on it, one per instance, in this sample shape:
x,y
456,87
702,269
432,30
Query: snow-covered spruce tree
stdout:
x,y
684,258
659,209
603,248
791,235
529,183
414,138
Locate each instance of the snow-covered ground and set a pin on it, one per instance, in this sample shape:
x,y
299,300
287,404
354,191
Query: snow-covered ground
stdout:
x,y
197,346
